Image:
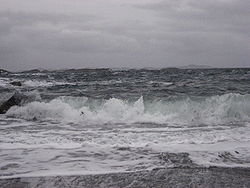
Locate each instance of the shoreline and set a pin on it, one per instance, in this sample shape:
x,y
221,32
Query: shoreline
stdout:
x,y
178,177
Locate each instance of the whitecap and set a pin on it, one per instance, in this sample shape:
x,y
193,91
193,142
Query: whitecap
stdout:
x,y
224,109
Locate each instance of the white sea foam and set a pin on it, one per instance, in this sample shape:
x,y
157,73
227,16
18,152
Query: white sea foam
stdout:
x,y
30,83
5,82
42,83
161,83
36,83
47,148
228,108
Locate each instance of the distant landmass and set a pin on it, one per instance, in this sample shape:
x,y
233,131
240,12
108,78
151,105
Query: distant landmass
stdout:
x,y
35,71
41,70
195,67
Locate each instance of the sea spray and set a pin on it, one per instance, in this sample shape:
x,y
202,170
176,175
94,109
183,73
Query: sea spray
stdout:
x,y
227,108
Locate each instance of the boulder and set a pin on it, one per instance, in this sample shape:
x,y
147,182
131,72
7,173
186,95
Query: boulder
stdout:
x,y
16,83
14,100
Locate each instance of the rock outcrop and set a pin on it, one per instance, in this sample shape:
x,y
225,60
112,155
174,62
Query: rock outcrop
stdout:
x,y
2,71
14,100
16,83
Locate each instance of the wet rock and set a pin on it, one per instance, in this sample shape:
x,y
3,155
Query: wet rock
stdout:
x,y
155,85
14,100
123,148
16,83
2,71
11,165
177,159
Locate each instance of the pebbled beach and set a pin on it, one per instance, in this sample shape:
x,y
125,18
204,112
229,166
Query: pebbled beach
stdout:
x,y
179,177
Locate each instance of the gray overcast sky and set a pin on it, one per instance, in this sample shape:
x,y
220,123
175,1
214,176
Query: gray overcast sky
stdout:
x,y
58,34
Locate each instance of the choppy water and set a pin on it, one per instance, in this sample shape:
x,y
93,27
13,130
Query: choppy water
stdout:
x,y
99,121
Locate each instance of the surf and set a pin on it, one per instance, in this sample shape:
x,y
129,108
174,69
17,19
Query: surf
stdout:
x,y
219,109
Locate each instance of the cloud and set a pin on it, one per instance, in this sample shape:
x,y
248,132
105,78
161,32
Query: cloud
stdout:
x,y
206,16
132,34
216,29
24,33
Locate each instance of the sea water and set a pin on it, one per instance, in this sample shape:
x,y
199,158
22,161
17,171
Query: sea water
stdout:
x,y
93,121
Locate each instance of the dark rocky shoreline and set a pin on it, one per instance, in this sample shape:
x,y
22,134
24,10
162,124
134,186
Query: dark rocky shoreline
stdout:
x,y
179,177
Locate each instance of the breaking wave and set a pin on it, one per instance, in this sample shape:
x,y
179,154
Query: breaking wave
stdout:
x,y
228,108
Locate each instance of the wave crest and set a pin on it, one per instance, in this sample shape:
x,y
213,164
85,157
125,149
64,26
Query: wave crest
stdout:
x,y
228,108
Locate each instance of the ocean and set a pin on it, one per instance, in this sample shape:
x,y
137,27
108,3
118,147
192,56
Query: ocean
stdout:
x,y
98,121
